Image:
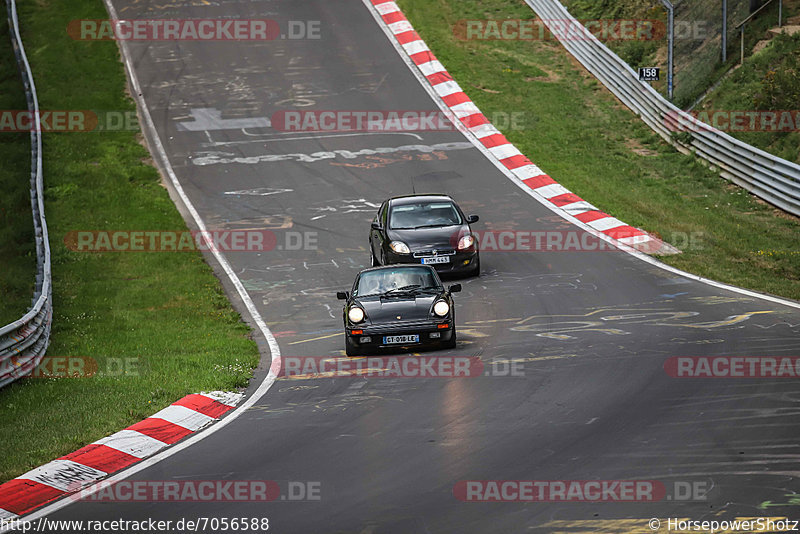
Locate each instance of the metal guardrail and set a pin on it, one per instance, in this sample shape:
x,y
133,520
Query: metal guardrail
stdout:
x,y
769,177
23,342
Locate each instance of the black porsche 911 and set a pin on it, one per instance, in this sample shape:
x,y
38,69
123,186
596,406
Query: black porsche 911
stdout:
x,y
398,306
425,229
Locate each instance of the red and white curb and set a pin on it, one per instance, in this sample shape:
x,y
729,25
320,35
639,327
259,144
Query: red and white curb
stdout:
x,y
71,473
500,148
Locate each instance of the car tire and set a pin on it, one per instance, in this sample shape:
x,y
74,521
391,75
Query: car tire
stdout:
x,y
452,343
351,349
476,271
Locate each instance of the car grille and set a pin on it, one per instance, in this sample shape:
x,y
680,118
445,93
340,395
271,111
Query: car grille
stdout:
x,y
400,325
429,253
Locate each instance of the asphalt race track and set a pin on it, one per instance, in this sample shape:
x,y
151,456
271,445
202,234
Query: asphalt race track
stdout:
x,y
591,331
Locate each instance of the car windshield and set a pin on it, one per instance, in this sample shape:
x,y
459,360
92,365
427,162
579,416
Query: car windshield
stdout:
x,y
423,215
396,280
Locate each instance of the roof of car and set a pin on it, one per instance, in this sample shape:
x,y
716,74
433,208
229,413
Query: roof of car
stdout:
x,y
409,199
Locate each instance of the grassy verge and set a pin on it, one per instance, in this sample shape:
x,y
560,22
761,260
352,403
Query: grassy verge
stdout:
x,y
17,248
768,80
583,137
164,315
698,64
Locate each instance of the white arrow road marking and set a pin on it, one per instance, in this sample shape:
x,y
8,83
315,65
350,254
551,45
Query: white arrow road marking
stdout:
x,y
206,119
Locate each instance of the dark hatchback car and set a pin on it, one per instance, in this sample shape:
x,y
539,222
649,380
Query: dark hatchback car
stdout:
x,y
425,229
398,306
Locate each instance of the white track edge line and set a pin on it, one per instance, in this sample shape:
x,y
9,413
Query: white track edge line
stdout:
x,y
275,352
640,255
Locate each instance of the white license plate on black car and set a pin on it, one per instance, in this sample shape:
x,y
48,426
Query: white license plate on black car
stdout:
x,y
401,340
436,259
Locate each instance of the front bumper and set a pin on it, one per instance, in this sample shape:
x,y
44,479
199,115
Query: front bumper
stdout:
x,y
460,261
372,336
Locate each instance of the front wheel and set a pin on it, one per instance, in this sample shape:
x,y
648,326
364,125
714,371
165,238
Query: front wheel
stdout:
x,y
452,343
476,270
351,349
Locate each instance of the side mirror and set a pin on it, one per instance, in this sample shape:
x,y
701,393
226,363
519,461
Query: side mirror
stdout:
x,y
376,225
455,288
473,219
342,295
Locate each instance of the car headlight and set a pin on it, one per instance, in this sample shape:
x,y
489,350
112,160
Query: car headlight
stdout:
x,y
355,314
441,308
400,247
466,242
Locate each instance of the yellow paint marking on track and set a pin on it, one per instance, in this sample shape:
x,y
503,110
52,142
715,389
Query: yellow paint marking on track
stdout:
x,y
471,332
476,323
725,322
297,388
643,525
609,331
560,337
315,338
335,374
719,299
600,526
537,358
589,314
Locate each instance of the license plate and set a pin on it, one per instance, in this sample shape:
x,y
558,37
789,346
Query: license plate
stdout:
x,y
436,259
399,340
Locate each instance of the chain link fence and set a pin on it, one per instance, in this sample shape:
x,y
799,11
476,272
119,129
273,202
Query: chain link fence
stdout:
x,y
698,40
698,43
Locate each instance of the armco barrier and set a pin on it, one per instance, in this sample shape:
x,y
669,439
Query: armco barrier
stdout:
x,y
23,342
773,179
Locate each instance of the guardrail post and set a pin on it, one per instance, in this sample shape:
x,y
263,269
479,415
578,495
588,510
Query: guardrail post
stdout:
x,y
670,43
741,58
724,31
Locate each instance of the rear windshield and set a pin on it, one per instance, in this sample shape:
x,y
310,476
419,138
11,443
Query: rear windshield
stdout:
x,y
381,281
423,215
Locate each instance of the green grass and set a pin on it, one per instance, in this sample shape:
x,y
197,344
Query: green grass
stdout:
x,y
635,53
696,67
585,139
768,80
166,312
17,248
